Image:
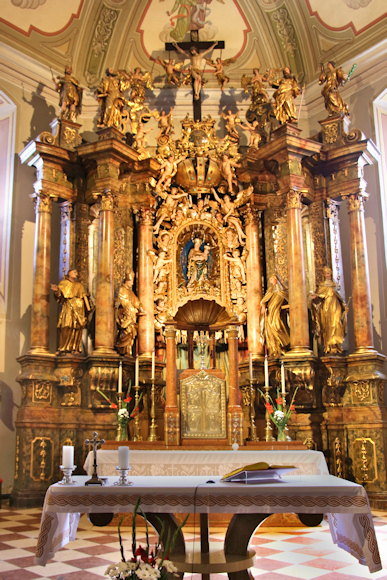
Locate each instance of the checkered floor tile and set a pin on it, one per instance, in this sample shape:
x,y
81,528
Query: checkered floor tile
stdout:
x,y
281,553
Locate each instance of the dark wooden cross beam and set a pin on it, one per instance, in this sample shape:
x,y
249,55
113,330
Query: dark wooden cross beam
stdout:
x,y
200,46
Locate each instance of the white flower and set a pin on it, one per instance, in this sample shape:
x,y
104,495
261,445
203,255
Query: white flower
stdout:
x,y
123,414
110,569
169,566
122,566
279,415
147,572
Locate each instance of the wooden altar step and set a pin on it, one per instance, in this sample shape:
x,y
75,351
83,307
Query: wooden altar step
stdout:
x,y
208,446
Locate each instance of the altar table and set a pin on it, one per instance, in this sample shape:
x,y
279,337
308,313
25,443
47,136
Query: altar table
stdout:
x,y
203,462
346,504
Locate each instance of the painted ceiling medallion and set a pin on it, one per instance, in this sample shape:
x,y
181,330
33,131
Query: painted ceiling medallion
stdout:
x,y
172,21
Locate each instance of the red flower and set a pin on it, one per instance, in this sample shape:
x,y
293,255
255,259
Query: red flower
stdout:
x,y
128,399
269,407
292,408
280,401
113,406
142,553
134,414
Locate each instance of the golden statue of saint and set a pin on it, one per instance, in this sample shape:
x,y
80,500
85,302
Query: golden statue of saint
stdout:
x,y
72,320
333,79
128,308
329,312
272,325
287,90
111,97
70,95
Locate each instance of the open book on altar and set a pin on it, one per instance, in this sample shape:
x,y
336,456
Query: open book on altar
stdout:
x,y
258,473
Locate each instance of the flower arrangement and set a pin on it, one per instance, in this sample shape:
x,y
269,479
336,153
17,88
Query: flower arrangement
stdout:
x,y
123,414
144,563
279,414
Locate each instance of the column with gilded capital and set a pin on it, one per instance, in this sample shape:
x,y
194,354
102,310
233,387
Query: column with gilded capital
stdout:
x,y
254,282
171,413
104,308
40,330
298,301
360,276
146,328
234,409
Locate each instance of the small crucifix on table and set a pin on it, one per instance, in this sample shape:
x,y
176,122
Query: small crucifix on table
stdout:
x,y
95,480
195,51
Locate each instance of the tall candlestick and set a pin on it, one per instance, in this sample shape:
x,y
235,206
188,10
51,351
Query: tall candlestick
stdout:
x,y
137,372
153,365
123,457
251,365
283,385
68,456
120,377
266,371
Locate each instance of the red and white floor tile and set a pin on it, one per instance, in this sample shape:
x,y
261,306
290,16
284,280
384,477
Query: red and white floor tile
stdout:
x,y
281,553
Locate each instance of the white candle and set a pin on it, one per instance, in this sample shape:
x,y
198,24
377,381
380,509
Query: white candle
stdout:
x,y
68,456
123,457
266,371
137,373
120,377
153,365
251,365
283,389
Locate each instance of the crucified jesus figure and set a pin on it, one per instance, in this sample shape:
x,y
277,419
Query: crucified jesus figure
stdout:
x,y
196,59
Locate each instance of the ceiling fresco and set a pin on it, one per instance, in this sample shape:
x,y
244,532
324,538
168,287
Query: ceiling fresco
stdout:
x,y
95,34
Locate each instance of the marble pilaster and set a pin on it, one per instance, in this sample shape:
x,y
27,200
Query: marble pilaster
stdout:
x,y
171,413
234,408
254,283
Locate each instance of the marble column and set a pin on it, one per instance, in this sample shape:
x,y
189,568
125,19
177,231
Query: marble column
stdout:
x,y
254,283
171,413
360,276
104,308
234,409
40,326
66,258
298,301
146,327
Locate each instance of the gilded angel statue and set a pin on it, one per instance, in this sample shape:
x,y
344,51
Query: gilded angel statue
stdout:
x,y
167,209
165,124
237,265
159,263
256,85
168,171
334,78
232,121
219,65
231,215
138,82
172,69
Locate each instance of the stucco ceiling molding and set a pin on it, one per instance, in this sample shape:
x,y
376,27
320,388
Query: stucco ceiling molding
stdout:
x,y
64,47
28,29
100,42
348,25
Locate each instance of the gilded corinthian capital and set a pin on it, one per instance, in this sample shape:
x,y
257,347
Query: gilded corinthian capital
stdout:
x,y
355,202
43,202
107,200
146,216
294,199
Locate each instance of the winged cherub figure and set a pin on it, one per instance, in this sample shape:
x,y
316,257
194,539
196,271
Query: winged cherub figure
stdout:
x,y
232,121
165,124
219,65
229,208
168,207
172,69
159,261
138,82
168,169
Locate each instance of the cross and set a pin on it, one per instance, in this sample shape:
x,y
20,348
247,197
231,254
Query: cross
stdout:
x,y
200,47
95,480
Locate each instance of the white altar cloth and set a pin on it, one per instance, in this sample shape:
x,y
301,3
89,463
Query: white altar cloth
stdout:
x,y
203,462
346,504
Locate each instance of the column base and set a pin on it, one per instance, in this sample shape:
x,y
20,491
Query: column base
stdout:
x,y
102,350
39,350
296,351
364,350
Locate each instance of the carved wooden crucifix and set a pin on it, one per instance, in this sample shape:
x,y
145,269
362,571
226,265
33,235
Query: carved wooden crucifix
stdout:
x,y
195,51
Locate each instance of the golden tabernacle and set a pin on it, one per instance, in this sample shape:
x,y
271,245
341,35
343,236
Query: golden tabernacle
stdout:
x,y
190,288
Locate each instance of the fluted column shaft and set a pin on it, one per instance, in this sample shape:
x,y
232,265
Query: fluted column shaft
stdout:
x,y
146,328
40,326
298,302
360,276
104,308
254,283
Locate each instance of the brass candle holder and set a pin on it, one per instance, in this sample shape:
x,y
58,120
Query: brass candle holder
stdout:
x,y
286,430
136,427
253,428
153,427
268,428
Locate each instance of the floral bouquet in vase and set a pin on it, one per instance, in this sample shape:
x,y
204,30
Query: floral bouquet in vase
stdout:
x,y
123,414
279,412
146,564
